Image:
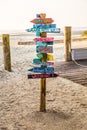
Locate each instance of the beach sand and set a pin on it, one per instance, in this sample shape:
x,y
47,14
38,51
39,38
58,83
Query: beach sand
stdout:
x,y
66,102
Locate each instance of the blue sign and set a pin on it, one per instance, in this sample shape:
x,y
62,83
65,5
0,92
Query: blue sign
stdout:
x,y
50,30
42,70
37,61
44,26
41,43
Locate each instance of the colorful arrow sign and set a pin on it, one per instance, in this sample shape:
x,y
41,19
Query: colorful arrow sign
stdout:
x,y
44,26
42,21
50,57
42,49
47,39
43,43
38,62
40,55
42,70
51,30
34,76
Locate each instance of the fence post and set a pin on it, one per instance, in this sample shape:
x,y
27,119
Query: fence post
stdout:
x,y
6,51
67,43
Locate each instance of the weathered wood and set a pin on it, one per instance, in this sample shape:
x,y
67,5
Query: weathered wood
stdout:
x,y
43,34
42,39
42,49
34,76
67,43
43,90
6,50
42,21
42,70
43,95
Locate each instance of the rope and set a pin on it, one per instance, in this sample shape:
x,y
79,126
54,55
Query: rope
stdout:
x,y
84,66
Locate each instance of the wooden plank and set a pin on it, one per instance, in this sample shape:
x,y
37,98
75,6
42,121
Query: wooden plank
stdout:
x,y
33,76
44,27
39,62
50,30
43,43
42,21
42,70
41,49
50,57
47,39
6,51
47,63
40,55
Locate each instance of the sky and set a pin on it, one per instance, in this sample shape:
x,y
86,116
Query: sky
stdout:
x,y
17,14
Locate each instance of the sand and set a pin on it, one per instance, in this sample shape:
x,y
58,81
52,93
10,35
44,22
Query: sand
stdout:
x,y
66,102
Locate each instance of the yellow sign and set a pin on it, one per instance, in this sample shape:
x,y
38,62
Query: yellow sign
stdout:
x,y
50,57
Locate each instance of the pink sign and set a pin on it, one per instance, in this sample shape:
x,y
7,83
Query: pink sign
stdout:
x,y
47,39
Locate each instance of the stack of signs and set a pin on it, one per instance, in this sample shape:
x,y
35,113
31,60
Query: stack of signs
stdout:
x,y
43,24
44,49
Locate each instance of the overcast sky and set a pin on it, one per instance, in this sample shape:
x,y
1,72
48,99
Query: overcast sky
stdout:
x,y
16,14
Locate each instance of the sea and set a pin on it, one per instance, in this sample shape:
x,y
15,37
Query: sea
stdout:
x,y
23,35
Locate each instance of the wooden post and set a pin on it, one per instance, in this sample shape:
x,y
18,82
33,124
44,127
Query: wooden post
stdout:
x,y
67,43
43,80
43,90
6,51
43,95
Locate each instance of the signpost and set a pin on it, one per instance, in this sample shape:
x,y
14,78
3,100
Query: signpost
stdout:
x,y
42,21
34,76
44,50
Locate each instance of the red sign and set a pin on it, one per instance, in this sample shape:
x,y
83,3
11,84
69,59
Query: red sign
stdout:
x,y
46,39
34,76
42,21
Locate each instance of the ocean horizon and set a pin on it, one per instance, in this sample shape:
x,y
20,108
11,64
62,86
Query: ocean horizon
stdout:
x,y
23,35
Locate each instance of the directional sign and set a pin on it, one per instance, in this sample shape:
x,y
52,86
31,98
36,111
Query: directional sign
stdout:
x,y
47,39
34,76
50,30
44,26
40,55
41,43
42,49
37,61
50,57
49,43
42,21
42,70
